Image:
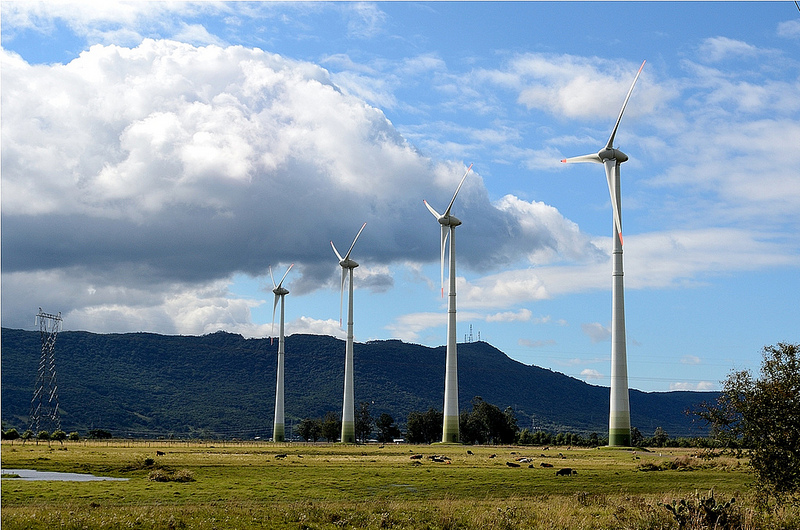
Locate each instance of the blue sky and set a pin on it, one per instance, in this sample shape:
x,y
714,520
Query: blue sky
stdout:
x,y
157,158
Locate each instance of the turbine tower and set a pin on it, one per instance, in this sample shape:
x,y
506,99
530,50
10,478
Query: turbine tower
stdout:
x,y
619,422
450,433
278,432
348,408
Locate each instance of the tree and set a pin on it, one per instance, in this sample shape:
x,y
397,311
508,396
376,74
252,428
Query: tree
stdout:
x,y
387,430
762,415
660,437
331,427
74,436
487,424
637,438
310,429
59,436
364,422
424,428
99,434
27,435
594,440
10,434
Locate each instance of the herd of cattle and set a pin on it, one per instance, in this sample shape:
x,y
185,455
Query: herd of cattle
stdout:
x,y
564,471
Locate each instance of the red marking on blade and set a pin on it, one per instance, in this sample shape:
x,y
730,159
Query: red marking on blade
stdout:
x,y
563,160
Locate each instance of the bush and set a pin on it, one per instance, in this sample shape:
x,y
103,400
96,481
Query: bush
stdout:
x,y
59,436
161,475
703,512
99,434
10,434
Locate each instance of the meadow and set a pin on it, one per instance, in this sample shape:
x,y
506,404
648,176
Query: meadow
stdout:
x,y
218,485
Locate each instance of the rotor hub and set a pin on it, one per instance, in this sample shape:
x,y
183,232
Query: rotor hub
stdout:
x,y
280,291
449,220
613,154
348,264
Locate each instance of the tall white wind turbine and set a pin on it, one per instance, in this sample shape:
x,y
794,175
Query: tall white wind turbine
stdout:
x,y
619,422
348,408
278,432
450,432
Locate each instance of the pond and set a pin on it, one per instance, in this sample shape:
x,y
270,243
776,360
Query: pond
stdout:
x,y
30,474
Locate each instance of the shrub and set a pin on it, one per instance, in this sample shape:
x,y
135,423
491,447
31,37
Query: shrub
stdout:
x,y
703,512
161,475
10,434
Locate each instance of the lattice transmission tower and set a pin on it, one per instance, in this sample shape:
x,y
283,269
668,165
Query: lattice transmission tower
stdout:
x,y
44,404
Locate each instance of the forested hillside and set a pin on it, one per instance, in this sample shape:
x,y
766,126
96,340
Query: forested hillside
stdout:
x,y
142,384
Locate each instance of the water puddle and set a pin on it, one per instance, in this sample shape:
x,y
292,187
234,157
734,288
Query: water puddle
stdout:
x,y
30,474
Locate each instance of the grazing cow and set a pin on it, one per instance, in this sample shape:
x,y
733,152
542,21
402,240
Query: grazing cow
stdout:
x,y
545,464
524,460
492,455
160,453
416,457
281,456
566,471
512,464
469,452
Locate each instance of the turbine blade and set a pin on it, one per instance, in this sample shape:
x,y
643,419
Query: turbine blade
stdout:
x,y
445,234
430,208
273,278
354,241
447,212
341,295
610,143
336,252
612,170
285,273
583,158
274,307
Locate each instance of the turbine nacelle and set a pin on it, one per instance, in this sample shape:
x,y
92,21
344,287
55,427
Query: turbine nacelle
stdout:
x,y
348,264
450,220
613,154
280,291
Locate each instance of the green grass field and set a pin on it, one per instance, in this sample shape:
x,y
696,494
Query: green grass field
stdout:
x,y
246,486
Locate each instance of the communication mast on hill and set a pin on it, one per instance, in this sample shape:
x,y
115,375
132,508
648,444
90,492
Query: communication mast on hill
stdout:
x,y
468,337
44,404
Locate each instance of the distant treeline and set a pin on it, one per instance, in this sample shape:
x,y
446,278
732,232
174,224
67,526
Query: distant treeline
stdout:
x,y
484,424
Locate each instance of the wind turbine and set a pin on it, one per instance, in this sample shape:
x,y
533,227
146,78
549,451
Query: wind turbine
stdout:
x,y
619,422
278,433
450,433
348,409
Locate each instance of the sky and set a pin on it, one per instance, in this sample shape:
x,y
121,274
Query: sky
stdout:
x,y
158,158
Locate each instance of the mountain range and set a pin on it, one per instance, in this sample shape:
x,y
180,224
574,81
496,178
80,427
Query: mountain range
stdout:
x,y
223,385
